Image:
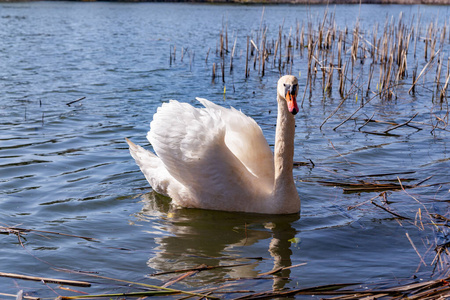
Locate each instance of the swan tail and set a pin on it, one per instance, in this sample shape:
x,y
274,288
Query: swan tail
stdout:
x,y
152,167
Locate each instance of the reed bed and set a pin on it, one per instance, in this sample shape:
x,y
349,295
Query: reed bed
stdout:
x,y
398,58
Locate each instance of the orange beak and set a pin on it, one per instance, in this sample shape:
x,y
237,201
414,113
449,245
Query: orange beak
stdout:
x,y
292,103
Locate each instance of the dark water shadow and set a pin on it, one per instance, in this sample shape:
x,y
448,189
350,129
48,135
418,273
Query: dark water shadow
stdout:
x,y
194,237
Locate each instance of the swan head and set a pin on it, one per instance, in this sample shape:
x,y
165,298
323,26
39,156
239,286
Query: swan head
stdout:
x,y
287,90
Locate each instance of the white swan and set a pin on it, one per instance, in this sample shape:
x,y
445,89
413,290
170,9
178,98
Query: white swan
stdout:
x,y
217,158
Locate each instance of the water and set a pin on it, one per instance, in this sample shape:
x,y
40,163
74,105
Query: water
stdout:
x,y
67,169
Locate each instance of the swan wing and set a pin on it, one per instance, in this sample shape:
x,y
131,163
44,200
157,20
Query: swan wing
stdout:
x,y
246,141
191,144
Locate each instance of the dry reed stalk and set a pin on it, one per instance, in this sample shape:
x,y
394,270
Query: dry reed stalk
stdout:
x,y
433,47
254,52
323,69
399,41
48,280
426,42
421,73
226,38
275,52
222,67
232,54
302,39
320,38
374,51
354,47
207,55
140,284
280,37
329,85
221,50
263,56
342,80
444,89
389,92
371,69
19,296
413,86
246,59
438,73
443,32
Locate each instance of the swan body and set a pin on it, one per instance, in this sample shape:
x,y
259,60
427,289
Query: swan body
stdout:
x,y
217,158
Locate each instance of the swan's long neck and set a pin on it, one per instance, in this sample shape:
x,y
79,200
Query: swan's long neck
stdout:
x,y
284,189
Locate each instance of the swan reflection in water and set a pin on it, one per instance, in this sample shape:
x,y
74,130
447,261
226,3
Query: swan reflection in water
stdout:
x,y
187,238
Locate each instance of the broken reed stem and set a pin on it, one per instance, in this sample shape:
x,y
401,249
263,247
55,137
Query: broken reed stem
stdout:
x,y
145,285
121,295
44,279
199,268
20,296
400,125
415,249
